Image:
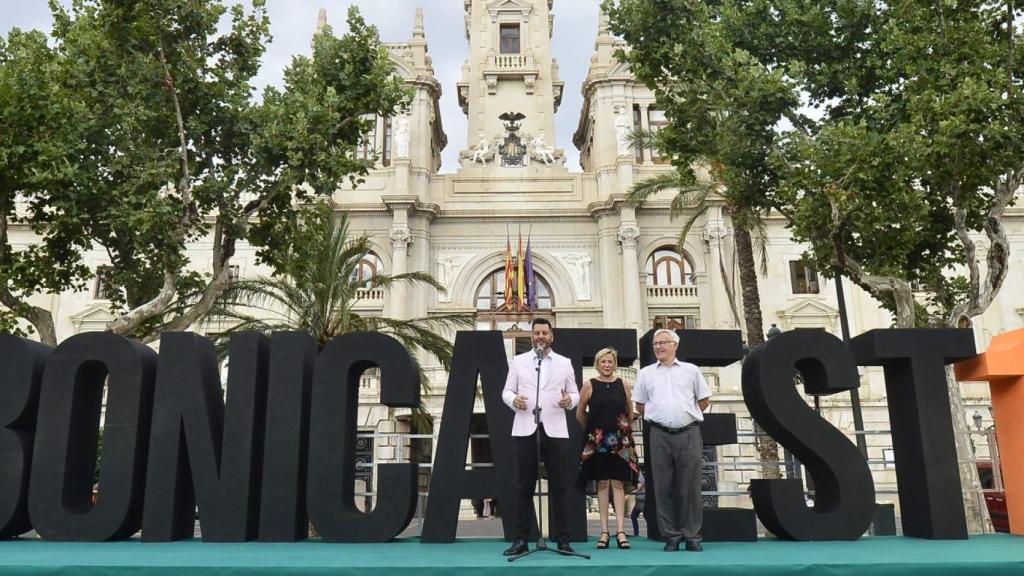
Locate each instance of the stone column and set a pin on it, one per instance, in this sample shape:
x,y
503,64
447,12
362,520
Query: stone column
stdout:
x,y
611,271
400,239
627,236
645,125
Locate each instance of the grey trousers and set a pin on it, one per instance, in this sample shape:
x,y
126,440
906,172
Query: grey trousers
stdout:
x,y
676,461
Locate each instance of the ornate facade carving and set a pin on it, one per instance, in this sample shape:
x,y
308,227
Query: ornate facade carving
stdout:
x,y
627,235
623,127
402,137
448,267
400,236
715,230
578,265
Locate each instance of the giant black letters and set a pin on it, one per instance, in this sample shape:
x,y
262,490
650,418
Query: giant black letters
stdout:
x,y
922,428
483,354
844,490
21,370
332,444
283,515
195,435
60,494
197,452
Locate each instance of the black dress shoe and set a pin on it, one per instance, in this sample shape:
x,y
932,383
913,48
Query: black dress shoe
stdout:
x,y
672,545
518,547
564,546
694,546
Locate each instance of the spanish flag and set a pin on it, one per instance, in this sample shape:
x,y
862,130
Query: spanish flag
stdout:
x,y
520,277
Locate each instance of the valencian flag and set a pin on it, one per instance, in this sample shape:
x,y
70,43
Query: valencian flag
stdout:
x,y
520,279
531,280
508,271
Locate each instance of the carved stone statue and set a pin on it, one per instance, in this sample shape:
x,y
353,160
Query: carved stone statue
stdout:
x,y
402,137
622,130
483,152
540,151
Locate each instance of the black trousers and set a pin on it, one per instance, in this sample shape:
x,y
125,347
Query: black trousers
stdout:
x,y
553,450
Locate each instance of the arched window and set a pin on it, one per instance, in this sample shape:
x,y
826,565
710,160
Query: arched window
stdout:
x,y
666,267
494,314
368,267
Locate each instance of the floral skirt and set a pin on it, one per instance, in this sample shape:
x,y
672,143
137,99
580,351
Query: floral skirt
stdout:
x,y
610,455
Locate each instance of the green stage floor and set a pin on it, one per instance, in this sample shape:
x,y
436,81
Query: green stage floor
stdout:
x,y
990,554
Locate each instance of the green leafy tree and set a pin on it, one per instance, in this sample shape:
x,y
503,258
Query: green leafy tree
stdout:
x,y
317,288
719,150
890,134
171,148
33,142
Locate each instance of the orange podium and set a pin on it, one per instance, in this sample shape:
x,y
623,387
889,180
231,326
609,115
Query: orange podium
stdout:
x,y
1002,366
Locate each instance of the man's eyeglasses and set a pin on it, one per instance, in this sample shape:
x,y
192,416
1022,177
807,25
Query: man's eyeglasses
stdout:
x,y
664,342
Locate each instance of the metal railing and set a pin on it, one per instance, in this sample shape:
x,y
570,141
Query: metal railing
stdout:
x,y
736,470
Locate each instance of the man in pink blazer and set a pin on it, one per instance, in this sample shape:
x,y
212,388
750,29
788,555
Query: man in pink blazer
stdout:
x,y
558,393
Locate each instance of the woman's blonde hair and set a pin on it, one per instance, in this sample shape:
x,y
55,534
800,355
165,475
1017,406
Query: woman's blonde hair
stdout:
x,y
604,352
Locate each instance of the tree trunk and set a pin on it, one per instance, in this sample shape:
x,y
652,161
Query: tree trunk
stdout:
x,y
980,296
975,510
767,448
40,318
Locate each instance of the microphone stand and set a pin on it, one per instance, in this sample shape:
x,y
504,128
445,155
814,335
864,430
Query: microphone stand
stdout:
x,y
541,543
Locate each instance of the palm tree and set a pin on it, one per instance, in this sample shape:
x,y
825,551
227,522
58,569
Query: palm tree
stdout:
x,y
316,291
694,196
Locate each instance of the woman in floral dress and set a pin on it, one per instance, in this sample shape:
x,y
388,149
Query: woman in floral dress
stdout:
x,y
609,457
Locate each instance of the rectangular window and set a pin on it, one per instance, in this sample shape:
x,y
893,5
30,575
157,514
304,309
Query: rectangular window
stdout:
x,y
656,120
105,287
366,149
638,149
234,272
509,38
803,279
386,147
686,322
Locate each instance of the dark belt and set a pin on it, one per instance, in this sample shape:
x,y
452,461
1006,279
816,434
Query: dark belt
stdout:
x,y
669,430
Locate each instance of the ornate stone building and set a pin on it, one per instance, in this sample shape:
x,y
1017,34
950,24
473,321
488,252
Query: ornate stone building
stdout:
x,y
599,262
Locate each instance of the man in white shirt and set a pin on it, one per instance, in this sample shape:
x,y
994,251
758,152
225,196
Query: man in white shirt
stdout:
x,y
672,396
558,393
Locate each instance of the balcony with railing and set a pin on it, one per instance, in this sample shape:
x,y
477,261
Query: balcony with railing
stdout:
x,y
501,66
369,299
673,295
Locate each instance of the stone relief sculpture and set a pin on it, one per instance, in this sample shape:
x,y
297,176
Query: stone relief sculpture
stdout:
x,y
578,265
402,137
622,129
448,268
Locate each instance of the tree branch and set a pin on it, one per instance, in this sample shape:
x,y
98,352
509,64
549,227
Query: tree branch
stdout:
x,y
997,260
128,322
906,311
40,318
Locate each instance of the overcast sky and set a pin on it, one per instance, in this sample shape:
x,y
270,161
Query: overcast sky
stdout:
x,y
292,23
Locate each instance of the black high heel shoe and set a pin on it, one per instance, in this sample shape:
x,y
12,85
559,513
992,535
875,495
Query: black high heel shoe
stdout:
x,y
602,540
622,542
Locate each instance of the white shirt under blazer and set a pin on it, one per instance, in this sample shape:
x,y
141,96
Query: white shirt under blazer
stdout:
x,y
556,375
670,394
